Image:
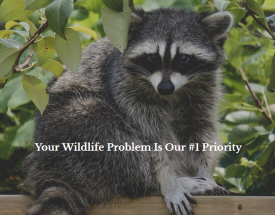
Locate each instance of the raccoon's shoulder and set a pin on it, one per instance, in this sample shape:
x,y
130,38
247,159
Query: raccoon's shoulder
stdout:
x,y
89,74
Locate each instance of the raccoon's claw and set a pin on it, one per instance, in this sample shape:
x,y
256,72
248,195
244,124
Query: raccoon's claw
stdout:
x,y
200,186
220,191
178,203
190,198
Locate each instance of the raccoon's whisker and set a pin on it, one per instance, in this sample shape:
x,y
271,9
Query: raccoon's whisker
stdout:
x,y
196,68
139,68
197,72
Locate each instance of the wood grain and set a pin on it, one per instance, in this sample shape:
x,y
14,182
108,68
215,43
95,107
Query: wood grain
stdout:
x,y
207,205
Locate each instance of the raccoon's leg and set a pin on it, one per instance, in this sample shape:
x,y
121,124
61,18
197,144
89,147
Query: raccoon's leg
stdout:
x,y
177,198
203,183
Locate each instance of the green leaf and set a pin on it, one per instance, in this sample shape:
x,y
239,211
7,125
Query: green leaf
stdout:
x,y
69,51
11,24
242,134
263,160
13,10
221,4
7,92
45,49
267,154
238,14
57,14
18,97
36,4
7,59
255,7
10,43
203,2
235,170
242,117
252,48
91,5
271,85
116,26
115,5
33,29
257,88
85,30
24,134
5,146
79,14
36,90
255,145
232,5
53,66
14,97
261,2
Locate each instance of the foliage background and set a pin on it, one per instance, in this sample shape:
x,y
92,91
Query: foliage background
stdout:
x,y
249,48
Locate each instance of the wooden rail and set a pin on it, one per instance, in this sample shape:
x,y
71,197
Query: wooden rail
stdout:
x,y
207,205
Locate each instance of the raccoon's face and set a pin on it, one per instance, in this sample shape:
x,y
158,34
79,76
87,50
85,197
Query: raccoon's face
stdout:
x,y
170,47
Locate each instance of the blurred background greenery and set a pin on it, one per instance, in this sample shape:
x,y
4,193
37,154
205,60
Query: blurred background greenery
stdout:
x,y
249,48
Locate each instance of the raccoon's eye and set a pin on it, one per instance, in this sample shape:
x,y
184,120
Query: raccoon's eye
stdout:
x,y
184,59
152,58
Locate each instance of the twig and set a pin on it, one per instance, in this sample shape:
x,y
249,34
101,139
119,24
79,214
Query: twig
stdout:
x,y
251,13
30,41
26,63
254,96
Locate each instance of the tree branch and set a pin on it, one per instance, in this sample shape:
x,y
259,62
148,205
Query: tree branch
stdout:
x,y
251,13
30,41
254,96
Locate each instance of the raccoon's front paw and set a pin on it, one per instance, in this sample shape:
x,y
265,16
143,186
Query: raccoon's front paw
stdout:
x,y
178,202
200,186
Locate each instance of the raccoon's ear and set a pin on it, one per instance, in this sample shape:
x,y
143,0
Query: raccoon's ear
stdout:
x,y
218,24
138,19
131,4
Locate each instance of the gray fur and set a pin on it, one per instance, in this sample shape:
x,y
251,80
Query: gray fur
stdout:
x,y
111,99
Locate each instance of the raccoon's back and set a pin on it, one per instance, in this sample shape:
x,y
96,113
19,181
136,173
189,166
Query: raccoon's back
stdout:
x,y
95,59
74,97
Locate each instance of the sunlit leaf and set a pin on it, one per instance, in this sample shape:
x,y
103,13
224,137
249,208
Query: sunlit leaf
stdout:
x,y
45,49
85,30
69,50
53,66
13,10
36,90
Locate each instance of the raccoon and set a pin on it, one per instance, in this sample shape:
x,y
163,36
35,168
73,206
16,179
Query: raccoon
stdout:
x,y
165,88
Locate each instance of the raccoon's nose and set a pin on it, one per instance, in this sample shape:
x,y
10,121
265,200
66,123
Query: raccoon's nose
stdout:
x,y
166,88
